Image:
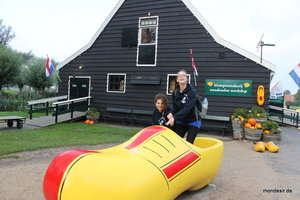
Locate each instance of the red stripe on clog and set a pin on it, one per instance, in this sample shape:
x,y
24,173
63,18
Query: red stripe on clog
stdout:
x,y
56,170
180,164
147,133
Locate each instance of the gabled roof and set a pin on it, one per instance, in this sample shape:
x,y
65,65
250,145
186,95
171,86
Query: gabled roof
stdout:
x,y
196,13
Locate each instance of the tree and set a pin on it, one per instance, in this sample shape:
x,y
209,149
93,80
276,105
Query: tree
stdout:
x,y
10,63
288,92
297,96
6,34
36,77
26,59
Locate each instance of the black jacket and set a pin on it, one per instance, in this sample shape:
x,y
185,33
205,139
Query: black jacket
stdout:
x,y
159,118
184,104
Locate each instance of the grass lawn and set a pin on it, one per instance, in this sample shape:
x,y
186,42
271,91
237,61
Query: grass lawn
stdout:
x,y
62,135
294,107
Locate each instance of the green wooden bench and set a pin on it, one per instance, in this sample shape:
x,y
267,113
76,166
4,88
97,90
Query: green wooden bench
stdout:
x,y
222,122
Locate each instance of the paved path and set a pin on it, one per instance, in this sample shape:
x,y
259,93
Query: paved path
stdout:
x,y
244,173
44,121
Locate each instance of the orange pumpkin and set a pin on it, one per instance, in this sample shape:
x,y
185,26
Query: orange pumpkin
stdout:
x,y
87,121
258,125
266,131
247,125
92,122
252,121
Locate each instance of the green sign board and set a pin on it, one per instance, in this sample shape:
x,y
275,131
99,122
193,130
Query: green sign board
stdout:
x,y
279,99
228,87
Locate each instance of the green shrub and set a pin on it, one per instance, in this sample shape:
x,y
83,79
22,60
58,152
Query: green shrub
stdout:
x,y
239,112
15,101
272,126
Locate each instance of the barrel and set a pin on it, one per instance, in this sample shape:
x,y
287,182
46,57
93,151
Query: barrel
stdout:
x,y
253,134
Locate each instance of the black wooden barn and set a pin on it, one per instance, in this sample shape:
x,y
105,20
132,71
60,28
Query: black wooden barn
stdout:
x,y
140,47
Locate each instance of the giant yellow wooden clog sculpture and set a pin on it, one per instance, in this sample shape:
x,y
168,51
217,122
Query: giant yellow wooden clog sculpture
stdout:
x,y
154,164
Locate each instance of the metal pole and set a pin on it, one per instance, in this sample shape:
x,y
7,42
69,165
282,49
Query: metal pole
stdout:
x,y
72,104
30,112
56,113
261,50
47,106
297,119
282,116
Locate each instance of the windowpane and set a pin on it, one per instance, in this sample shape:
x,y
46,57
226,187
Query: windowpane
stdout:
x,y
149,22
148,35
116,83
172,82
146,54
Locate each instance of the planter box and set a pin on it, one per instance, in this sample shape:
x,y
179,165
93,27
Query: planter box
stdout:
x,y
93,118
253,134
238,130
266,137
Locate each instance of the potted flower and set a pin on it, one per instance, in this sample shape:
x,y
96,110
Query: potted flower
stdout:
x,y
237,119
92,114
258,113
271,131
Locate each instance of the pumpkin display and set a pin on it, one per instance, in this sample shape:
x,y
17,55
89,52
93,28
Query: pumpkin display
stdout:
x,y
260,147
87,121
92,122
247,125
258,125
252,121
272,147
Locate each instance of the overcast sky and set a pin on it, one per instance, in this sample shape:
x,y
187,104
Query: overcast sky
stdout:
x,y
59,28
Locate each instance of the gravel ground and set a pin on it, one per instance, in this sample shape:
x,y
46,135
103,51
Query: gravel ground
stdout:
x,y
244,173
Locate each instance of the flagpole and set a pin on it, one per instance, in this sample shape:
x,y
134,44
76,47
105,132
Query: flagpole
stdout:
x,y
194,66
57,75
195,79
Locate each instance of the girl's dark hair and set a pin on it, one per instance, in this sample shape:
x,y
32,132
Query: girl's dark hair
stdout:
x,y
162,97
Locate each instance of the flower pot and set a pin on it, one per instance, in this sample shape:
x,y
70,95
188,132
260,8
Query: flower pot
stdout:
x,y
93,118
266,137
253,134
238,130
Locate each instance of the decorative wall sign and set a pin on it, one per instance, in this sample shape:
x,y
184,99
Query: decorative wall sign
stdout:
x,y
228,87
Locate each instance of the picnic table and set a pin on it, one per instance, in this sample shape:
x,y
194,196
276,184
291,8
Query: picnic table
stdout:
x,y
10,121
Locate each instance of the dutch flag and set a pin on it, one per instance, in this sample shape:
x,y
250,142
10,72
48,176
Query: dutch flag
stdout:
x,y
49,67
295,74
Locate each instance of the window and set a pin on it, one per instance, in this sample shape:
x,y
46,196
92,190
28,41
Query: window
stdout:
x,y
147,41
171,82
116,83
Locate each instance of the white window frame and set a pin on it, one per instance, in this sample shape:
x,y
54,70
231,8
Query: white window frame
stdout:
x,y
175,75
115,74
140,39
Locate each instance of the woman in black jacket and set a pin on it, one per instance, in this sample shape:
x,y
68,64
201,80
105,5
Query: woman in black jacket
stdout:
x,y
184,117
